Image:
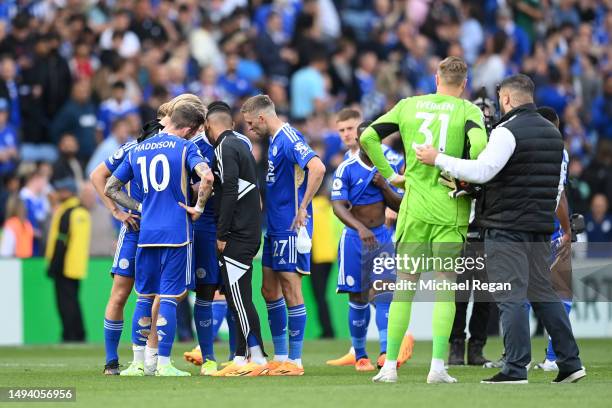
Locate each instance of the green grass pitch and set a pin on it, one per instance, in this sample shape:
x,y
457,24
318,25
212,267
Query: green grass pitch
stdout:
x,y
321,386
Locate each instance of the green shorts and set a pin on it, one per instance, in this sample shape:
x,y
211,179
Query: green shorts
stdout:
x,y
437,245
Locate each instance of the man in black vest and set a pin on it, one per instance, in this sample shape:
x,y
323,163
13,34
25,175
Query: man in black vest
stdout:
x,y
520,169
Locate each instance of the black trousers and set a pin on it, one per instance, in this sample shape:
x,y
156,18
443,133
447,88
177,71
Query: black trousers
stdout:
x,y
67,298
523,260
319,276
479,319
237,272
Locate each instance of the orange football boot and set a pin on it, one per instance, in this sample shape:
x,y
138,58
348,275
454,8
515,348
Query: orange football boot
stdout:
x,y
364,364
194,356
287,369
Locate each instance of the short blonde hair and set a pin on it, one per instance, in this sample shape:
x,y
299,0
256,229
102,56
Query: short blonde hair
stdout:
x,y
452,71
258,104
166,109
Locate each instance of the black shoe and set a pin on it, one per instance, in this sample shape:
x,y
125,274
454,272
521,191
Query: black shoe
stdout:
x,y
474,353
570,376
501,378
111,368
456,355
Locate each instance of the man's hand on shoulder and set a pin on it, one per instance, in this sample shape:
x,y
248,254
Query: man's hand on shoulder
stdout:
x,y
427,154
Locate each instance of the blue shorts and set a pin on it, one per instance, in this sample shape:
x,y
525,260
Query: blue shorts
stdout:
x,y
281,255
164,271
206,265
125,254
358,269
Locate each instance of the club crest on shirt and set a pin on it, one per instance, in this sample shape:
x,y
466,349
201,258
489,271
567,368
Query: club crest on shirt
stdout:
x,y
118,154
302,149
124,263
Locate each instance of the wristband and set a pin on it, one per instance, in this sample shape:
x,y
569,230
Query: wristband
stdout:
x,y
199,209
139,208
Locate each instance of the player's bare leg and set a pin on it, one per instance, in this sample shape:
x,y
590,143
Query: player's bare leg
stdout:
x,y
141,329
120,292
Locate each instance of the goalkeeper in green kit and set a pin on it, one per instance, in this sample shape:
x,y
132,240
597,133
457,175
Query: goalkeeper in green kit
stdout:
x,y
434,212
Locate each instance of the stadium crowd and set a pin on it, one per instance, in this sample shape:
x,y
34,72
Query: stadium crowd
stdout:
x,y
78,78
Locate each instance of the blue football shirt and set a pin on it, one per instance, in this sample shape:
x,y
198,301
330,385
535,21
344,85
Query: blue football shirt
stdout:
x,y
287,178
353,182
162,165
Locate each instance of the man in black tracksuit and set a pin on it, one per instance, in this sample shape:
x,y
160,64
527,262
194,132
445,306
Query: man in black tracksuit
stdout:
x,y
520,171
238,213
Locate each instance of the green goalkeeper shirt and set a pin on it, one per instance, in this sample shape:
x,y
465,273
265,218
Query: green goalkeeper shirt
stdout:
x,y
441,121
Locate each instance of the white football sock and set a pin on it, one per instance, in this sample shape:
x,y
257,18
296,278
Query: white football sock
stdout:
x,y
281,357
139,353
257,355
437,364
150,353
390,364
297,362
162,361
240,361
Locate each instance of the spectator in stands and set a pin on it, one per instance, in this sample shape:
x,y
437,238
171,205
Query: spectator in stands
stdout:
x,y
8,141
602,110
68,165
67,255
129,44
272,51
308,94
9,90
493,67
78,117
36,142
599,228
17,232
120,134
56,80
37,206
116,107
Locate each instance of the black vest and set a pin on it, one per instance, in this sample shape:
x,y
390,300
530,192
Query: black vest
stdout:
x,y
522,196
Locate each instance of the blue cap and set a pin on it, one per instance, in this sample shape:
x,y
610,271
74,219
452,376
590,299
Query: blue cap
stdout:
x,y
4,105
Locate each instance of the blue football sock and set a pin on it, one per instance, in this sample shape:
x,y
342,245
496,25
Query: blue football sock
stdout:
x,y
297,324
231,328
141,322
359,316
277,318
382,320
166,325
550,353
112,335
219,311
203,317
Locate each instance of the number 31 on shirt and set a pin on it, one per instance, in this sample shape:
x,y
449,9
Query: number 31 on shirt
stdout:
x,y
425,129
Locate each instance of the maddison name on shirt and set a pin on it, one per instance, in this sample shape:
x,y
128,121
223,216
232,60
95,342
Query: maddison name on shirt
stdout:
x,y
156,145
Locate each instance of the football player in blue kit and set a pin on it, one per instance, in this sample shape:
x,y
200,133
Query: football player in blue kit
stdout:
x,y
123,268
360,197
294,175
162,166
